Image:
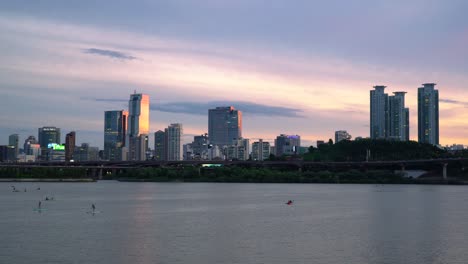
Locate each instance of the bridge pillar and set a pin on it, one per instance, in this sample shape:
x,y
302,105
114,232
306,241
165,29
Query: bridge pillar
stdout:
x,y
444,171
100,174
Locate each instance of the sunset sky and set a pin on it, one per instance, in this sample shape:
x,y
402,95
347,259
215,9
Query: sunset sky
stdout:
x,y
295,67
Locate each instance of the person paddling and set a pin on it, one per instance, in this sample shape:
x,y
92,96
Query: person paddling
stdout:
x,y
39,205
93,207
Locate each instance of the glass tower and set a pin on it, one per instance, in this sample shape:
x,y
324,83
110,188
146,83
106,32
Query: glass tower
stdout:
x,y
115,130
224,125
138,126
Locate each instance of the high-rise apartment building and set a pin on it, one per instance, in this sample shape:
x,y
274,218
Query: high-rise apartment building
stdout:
x,y
398,116
260,150
378,112
287,145
138,126
238,150
13,142
160,146
428,114
174,145
70,141
342,135
115,134
224,125
389,118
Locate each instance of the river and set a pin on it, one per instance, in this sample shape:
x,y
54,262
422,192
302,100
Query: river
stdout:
x,y
233,223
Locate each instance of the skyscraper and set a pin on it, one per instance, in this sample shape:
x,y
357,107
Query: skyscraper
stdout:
x,y
46,136
428,114
138,126
160,145
224,125
398,117
70,140
115,131
378,112
174,147
13,142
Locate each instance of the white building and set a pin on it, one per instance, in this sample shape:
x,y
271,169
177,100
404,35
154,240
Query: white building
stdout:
x,y
260,150
174,145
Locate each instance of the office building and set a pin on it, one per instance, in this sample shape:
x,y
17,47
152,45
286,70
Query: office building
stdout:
x,y
428,114
174,147
115,134
260,150
200,147
378,112
342,135
224,125
46,136
160,146
287,145
70,141
27,145
13,142
86,153
138,126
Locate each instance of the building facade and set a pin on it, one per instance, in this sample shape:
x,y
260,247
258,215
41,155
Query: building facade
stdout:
x,y
70,142
174,145
398,117
138,126
115,134
224,125
86,153
13,141
378,112
342,135
160,146
46,136
260,150
428,114
287,145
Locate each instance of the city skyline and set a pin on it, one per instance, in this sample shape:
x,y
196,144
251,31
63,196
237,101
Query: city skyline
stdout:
x,y
63,67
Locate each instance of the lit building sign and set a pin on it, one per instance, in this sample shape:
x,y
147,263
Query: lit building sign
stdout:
x,y
55,146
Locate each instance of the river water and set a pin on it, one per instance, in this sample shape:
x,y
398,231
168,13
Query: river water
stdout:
x,y
233,223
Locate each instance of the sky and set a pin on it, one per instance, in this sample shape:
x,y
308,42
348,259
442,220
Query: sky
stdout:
x,y
292,67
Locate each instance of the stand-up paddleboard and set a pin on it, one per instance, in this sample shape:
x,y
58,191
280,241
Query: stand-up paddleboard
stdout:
x,y
39,209
95,212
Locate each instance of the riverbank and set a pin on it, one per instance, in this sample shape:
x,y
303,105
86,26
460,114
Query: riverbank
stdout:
x,y
45,180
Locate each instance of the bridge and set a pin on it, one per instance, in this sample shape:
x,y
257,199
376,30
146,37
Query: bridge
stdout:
x,y
98,167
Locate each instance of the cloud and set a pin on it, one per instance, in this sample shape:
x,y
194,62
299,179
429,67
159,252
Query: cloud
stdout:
x,y
109,53
456,102
201,108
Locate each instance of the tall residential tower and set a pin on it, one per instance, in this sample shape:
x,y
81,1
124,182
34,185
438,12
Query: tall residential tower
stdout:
x,y
428,114
378,112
